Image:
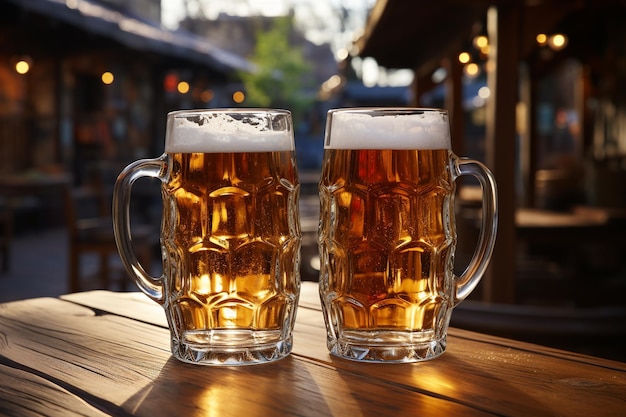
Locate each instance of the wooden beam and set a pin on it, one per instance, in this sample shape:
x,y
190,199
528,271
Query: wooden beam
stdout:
x,y
454,104
526,123
503,24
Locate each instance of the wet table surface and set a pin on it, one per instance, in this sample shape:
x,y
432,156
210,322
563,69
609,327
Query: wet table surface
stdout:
x,y
103,353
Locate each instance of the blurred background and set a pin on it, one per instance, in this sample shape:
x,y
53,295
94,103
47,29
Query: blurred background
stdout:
x,y
535,89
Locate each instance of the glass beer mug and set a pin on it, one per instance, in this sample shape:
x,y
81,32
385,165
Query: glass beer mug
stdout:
x,y
230,234
387,233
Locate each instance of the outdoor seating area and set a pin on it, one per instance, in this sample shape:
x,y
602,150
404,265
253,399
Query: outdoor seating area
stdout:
x,y
529,97
90,231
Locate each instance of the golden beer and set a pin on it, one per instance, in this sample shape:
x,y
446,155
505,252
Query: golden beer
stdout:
x,y
230,234
387,234
231,238
390,249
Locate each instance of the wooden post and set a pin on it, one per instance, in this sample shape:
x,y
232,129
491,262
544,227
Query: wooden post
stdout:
x,y
503,24
454,104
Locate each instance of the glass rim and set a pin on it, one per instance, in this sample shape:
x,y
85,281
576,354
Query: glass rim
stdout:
x,y
229,110
388,110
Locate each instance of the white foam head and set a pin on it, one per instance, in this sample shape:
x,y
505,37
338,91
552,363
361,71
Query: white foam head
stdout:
x,y
387,128
229,130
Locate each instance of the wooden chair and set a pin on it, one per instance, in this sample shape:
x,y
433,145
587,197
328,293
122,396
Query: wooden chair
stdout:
x,y
90,231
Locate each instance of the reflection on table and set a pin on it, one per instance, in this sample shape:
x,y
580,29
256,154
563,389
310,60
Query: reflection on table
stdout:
x,y
103,353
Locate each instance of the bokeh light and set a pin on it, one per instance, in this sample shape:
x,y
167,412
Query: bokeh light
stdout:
x,y
22,67
183,87
107,77
238,97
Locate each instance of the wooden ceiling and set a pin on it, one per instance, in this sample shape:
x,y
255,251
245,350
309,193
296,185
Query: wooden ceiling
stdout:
x,y
408,34
418,35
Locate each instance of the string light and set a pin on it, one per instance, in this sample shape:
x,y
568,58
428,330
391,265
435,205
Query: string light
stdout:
x,y
471,69
557,41
238,97
22,67
481,41
183,87
542,38
22,64
107,78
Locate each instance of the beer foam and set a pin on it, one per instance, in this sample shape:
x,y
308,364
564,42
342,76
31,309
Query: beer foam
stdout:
x,y
213,132
398,129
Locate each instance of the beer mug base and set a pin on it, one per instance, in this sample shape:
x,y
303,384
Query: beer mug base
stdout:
x,y
236,348
387,347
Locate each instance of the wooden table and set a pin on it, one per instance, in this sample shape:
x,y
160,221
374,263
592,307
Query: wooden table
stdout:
x,y
104,353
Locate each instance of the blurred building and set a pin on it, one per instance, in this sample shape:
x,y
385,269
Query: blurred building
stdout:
x,y
85,85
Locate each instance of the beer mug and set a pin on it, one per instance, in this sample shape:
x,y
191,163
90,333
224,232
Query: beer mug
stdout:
x,y
387,233
230,234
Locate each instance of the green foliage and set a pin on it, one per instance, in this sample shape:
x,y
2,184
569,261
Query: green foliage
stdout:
x,y
280,79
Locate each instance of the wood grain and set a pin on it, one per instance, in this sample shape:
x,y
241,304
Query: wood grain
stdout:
x,y
24,393
104,353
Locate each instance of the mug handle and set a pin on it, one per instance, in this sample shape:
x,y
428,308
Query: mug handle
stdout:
x,y
154,168
467,281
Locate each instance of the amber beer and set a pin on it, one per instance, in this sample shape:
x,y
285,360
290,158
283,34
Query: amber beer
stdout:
x,y
230,238
387,234
230,234
392,236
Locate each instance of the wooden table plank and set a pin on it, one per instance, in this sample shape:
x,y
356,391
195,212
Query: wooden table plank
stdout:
x,y
70,343
505,377
134,305
114,357
23,393
124,366
483,372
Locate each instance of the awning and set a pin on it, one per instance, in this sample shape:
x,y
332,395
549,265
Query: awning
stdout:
x,y
136,33
405,34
